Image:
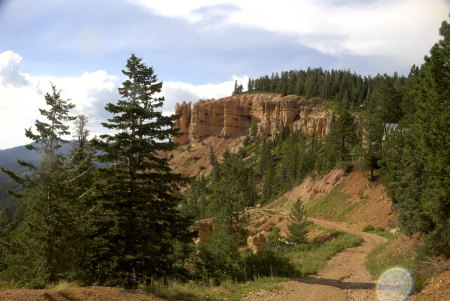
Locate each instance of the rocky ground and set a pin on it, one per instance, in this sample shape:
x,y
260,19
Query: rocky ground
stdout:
x,y
437,288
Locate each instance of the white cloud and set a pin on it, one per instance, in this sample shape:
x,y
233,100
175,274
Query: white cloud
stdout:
x,y
179,91
403,29
9,70
23,94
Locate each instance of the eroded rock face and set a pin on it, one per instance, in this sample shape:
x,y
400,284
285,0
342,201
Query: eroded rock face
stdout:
x,y
184,110
205,229
233,116
257,243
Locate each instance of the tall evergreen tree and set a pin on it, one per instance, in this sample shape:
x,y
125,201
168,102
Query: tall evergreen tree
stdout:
x,y
41,248
81,178
339,142
372,137
238,88
137,218
417,155
387,101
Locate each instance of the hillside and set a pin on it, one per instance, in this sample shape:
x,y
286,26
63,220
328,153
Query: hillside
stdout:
x,y
236,129
213,126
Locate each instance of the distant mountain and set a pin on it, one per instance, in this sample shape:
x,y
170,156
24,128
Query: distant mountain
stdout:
x,y
8,160
9,157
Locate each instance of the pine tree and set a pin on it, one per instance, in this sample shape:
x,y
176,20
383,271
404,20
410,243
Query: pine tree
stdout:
x,y
297,228
338,144
417,155
373,127
137,218
219,258
387,101
41,248
81,178
238,88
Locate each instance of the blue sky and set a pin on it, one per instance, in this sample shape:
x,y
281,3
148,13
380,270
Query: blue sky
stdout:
x,y
197,47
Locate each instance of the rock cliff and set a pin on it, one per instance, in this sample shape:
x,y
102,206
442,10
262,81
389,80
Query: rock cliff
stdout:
x,y
234,116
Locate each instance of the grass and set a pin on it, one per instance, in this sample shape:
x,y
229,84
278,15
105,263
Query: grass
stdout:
x,y
308,259
4,285
312,257
68,290
331,104
333,206
228,290
379,231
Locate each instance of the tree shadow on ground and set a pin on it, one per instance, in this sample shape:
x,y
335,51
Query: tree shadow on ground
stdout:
x,y
337,283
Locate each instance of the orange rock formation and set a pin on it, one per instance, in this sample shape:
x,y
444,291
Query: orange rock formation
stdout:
x,y
233,116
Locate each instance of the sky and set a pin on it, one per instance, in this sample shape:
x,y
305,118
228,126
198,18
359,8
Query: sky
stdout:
x,y
198,48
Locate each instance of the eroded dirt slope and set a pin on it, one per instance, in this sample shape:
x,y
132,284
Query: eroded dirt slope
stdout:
x,y
194,158
371,203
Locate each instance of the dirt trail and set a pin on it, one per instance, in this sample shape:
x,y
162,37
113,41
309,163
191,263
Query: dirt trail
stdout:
x,y
343,278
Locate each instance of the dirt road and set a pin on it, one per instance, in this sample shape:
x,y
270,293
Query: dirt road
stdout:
x,y
343,278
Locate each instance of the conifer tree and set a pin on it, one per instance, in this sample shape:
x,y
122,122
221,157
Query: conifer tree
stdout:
x,y
137,218
373,127
339,142
388,100
81,178
297,228
238,88
41,248
417,155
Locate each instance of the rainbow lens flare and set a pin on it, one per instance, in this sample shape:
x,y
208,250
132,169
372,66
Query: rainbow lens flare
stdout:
x,y
395,284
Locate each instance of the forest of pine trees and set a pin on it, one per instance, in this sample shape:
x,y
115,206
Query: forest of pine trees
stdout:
x,y
108,212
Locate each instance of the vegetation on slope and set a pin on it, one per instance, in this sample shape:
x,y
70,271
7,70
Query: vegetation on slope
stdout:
x,y
121,224
305,259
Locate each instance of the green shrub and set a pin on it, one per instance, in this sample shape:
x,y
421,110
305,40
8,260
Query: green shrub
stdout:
x,y
268,264
368,228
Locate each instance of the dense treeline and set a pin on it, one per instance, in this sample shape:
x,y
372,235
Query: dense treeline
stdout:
x,y
340,85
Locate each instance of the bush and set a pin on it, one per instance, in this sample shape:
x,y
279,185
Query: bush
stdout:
x,y
276,243
268,264
368,228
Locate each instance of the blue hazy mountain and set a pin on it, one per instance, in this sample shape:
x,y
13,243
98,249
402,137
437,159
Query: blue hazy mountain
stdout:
x,y
9,157
8,160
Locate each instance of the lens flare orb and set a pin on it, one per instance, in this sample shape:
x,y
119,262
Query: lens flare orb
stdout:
x,y
395,284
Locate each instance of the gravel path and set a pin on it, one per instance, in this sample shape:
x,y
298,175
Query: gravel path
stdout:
x,y
343,278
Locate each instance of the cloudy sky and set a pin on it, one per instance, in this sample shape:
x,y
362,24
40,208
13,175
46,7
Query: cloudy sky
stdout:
x,y
197,47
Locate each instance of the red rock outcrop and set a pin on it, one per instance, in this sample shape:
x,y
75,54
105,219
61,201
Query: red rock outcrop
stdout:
x,y
233,116
257,243
205,229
